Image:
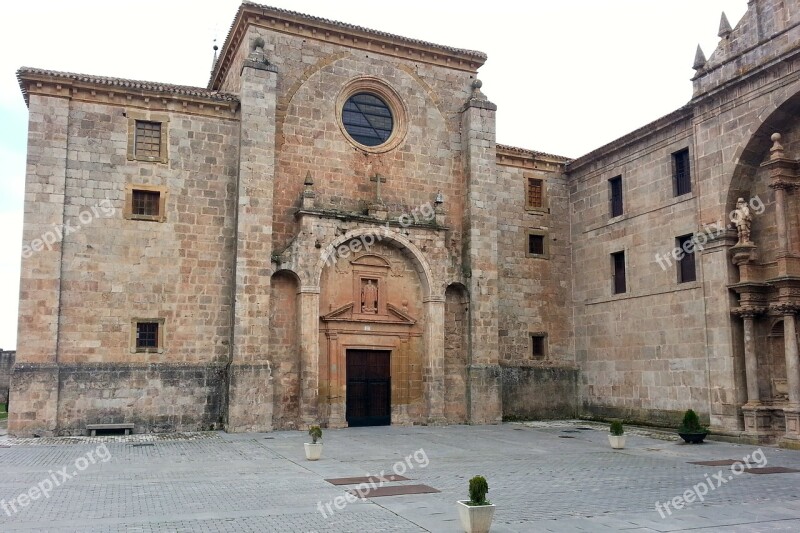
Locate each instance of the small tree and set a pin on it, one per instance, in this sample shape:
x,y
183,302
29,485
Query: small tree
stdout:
x,y
691,423
616,428
316,433
478,487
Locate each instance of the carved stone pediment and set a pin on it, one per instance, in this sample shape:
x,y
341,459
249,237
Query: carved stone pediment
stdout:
x,y
370,260
344,313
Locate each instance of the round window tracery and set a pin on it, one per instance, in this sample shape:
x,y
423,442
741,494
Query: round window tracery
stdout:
x,y
367,119
371,115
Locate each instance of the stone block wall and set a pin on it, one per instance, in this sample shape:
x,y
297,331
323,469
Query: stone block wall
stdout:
x,y
6,362
535,392
535,293
644,350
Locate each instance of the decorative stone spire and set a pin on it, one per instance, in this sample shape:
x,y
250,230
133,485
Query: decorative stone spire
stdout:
x,y
776,152
699,59
724,26
308,192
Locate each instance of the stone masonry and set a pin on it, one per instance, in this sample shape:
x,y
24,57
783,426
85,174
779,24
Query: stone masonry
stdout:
x,y
281,247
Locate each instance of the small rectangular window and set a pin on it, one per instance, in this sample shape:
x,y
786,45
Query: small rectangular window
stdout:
x,y
535,193
147,336
618,272
145,203
686,265
536,244
148,139
615,195
538,346
682,179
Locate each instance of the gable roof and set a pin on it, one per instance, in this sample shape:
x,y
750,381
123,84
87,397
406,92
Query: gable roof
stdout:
x,y
309,26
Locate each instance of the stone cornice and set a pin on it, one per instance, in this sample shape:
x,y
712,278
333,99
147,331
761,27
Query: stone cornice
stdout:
x,y
529,159
339,33
127,93
648,130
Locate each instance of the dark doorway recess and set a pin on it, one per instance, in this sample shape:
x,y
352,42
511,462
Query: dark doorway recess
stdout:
x,y
368,388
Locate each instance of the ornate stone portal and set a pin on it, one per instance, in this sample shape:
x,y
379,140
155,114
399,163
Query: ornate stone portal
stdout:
x,y
769,297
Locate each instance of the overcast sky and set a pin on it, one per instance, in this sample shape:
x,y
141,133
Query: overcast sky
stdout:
x,y
568,76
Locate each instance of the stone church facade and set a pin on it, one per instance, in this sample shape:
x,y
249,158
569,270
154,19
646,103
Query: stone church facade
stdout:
x,y
329,233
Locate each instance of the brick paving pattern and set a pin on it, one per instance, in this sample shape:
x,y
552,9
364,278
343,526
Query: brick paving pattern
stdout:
x,y
215,482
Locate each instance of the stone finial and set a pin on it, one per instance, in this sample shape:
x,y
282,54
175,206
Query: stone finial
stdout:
x,y
724,26
699,59
257,51
309,180
476,90
776,152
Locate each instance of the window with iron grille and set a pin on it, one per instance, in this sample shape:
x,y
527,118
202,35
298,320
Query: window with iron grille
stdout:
x,y
145,203
536,244
367,119
538,346
682,178
686,265
535,190
615,195
148,139
618,272
147,337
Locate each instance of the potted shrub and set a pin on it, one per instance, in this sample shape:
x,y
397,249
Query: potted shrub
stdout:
x,y
313,448
616,435
691,431
477,512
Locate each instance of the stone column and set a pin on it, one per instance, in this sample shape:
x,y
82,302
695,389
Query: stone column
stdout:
x,y
792,364
309,356
33,394
750,360
480,257
433,376
250,391
784,244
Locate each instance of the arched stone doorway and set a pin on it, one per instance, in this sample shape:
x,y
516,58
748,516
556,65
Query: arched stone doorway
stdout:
x,y
374,300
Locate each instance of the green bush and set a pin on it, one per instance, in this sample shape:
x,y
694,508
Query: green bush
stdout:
x,y
616,428
691,423
316,433
478,487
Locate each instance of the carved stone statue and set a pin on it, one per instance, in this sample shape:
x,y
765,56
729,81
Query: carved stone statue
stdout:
x,y
742,218
369,297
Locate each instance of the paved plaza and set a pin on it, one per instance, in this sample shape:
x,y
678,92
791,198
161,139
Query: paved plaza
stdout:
x,y
546,476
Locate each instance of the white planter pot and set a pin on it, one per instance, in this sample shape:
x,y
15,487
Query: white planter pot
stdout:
x,y
617,442
475,518
313,451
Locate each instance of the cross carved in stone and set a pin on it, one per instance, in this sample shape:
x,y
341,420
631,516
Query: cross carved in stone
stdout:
x,y
378,179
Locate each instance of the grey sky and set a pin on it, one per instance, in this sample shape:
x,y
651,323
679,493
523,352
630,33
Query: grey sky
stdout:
x,y
568,76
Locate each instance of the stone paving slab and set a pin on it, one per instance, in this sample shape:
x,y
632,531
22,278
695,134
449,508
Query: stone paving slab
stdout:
x,y
217,482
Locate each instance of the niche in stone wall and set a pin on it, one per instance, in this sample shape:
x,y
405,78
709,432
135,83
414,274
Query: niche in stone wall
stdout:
x,y
284,350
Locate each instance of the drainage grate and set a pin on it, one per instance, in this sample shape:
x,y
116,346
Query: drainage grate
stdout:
x,y
585,429
140,444
566,437
365,479
395,490
721,462
771,470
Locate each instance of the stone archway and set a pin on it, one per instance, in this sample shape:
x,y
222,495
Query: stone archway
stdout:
x,y
411,329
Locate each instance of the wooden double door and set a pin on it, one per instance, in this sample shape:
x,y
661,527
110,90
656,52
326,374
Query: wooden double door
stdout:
x,y
369,388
